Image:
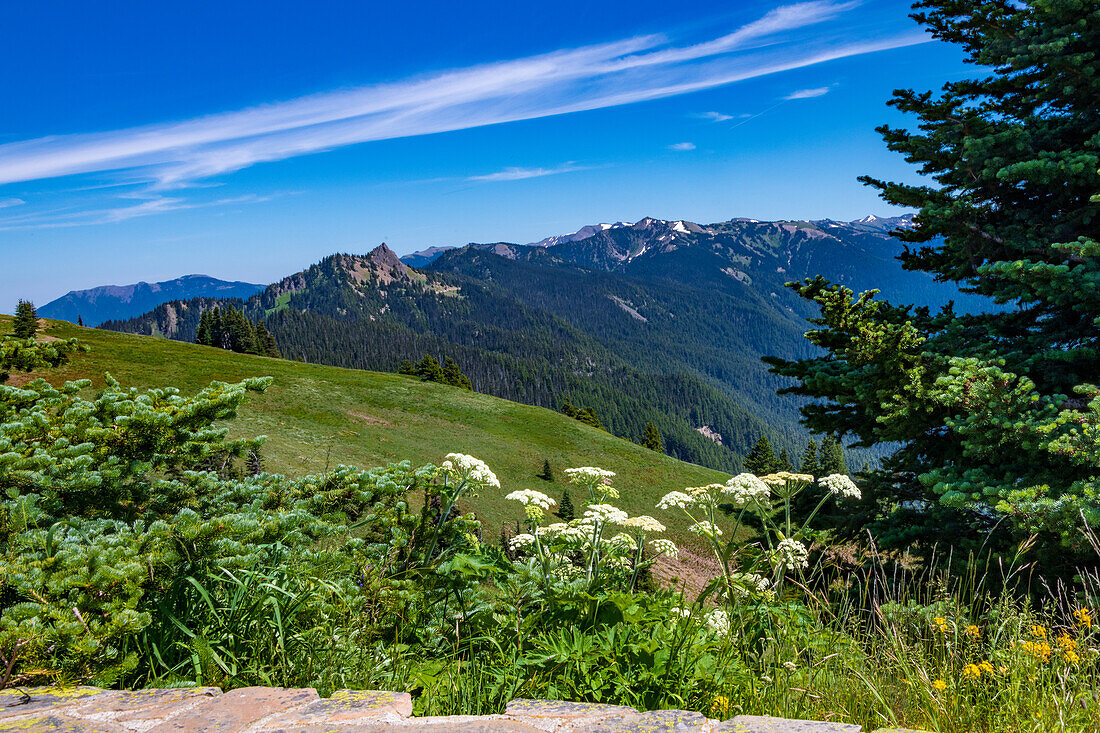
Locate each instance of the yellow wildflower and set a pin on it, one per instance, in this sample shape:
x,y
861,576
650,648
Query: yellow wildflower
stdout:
x,y
1070,656
720,706
986,666
1038,649
973,632
1039,632
972,672
940,623
1084,618
1067,642
939,685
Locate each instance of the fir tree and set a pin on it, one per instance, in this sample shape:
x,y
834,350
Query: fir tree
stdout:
x,y
566,512
761,459
406,367
546,474
80,321
651,438
996,413
809,460
783,463
25,323
428,369
453,375
832,457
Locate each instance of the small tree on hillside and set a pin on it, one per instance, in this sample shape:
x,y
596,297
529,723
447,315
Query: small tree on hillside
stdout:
x,y
453,375
406,367
429,370
25,323
783,463
566,511
761,459
546,474
651,438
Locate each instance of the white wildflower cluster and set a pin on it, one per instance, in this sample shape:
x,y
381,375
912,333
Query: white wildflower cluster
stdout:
x,y
605,513
746,489
791,554
675,500
644,523
718,621
784,478
664,547
679,612
530,497
586,474
521,542
621,541
472,469
840,486
748,584
708,529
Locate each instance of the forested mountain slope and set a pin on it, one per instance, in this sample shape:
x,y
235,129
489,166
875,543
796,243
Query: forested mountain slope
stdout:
x,y
654,321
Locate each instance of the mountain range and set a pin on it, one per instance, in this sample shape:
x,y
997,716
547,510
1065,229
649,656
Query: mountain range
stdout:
x,y
662,321
110,302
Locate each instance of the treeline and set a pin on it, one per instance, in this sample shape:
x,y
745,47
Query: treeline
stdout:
x,y
227,328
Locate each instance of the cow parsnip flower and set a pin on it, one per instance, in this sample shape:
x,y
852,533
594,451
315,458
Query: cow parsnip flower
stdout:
x,y
607,513
791,554
588,473
675,500
841,486
718,621
521,541
472,469
644,523
745,489
530,497
664,547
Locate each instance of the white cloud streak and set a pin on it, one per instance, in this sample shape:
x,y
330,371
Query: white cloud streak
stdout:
x,y
8,203
176,155
715,116
518,174
682,146
807,93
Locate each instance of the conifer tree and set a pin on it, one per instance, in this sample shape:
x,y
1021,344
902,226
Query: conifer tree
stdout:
x,y
996,413
429,370
566,511
761,459
783,463
832,457
651,438
406,367
809,460
453,375
25,323
80,321
546,474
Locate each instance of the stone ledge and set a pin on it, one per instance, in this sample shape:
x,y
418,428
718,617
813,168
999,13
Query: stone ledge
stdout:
x,y
280,710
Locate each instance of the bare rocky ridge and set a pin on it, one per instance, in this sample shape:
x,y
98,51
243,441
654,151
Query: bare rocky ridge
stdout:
x,y
280,710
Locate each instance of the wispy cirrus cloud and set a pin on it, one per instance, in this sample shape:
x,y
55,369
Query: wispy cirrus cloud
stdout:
x,y
167,157
714,116
518,174
807,93
9,202
152,204
682,147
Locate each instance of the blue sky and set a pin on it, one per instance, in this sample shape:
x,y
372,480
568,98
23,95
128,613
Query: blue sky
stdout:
x,y
247,140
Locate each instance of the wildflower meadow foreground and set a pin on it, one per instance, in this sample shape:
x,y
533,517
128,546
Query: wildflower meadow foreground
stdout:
x,y
148,556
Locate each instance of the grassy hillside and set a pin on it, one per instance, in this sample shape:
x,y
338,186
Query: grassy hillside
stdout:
x,y
318,416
